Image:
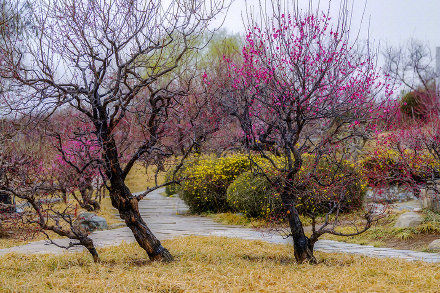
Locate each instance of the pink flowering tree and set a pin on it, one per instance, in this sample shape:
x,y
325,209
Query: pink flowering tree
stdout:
x,y
304,88
408,154
77,166
27,174
409,150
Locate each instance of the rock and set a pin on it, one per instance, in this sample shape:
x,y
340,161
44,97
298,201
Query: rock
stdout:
x,y
430,200
410,219
434,245
89,222
391,194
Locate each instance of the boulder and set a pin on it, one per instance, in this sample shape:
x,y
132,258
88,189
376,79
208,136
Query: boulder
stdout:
x,y
409,219
430,199
89,222
434,245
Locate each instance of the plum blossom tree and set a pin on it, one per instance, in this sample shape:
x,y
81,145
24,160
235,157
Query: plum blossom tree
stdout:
x,y
76,168
99,59
26,172
304,88
412,138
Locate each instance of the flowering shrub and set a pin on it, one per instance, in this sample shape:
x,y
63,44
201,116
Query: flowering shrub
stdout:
x,y
206,182
330,186
385,167
219,184
253,195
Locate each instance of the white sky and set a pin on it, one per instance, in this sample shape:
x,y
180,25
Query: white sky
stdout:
x,y
389,22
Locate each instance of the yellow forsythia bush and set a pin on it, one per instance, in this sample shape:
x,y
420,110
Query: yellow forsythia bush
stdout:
x,y
204,189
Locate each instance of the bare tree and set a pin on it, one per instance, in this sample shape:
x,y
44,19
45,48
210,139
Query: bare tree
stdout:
x,y
411,68
104,60
411,65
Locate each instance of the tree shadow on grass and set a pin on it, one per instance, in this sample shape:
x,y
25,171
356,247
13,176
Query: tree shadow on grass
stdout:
x,y
270,258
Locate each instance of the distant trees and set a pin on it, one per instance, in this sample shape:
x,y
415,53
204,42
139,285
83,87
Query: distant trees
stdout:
x,y
411,67
103,61
413,136
304,88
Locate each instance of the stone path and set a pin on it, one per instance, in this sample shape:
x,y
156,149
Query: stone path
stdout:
x,y
163,217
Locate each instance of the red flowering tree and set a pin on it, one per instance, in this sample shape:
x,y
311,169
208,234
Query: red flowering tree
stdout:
x,y
409,150
304,88
408,154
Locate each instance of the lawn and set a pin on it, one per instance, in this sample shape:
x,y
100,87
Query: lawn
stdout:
x,y
213,264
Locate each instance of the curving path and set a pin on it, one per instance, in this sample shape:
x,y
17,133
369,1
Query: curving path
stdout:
x,y
163,217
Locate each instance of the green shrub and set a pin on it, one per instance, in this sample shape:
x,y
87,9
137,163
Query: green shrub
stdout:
x,y
253,195
172,188
410,105
204,189
337,183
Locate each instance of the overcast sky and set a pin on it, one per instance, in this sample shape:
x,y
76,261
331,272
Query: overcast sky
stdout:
x,y
389,22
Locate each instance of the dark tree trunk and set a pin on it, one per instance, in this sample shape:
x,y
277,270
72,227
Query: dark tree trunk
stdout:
x,y
6,200
126,203
303,247
87,202
128,209
88,244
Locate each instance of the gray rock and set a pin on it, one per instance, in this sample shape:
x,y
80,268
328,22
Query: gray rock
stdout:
x,y
434,245
410,219
430,199
391,194
89,222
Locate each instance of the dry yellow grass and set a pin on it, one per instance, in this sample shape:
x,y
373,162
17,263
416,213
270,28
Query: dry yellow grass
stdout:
x,y
230,218
139,180
207,264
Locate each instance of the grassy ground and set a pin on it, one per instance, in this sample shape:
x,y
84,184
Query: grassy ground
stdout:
x,y
139,180
207,264
236,219
381,234
384,234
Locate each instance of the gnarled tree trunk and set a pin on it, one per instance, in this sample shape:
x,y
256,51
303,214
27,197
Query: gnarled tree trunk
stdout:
x,y
128,208
303,246
127,205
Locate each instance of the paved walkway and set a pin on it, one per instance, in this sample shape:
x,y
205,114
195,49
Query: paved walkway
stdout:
x,y
162,215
